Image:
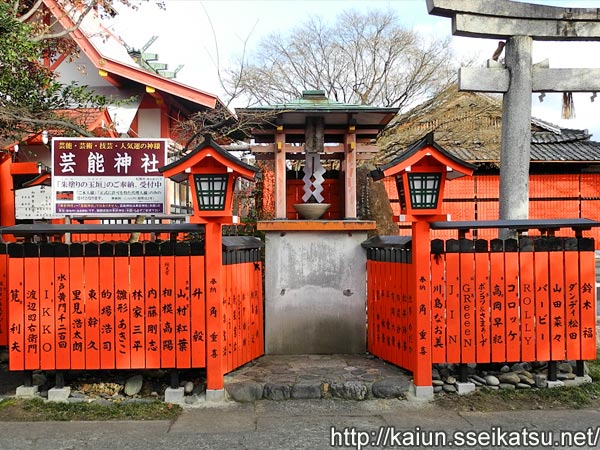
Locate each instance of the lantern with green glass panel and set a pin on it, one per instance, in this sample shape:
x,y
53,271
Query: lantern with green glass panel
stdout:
x,y
211,172
420,174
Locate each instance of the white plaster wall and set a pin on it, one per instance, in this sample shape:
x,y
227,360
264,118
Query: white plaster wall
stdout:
x,y
82,71
149,123
315,292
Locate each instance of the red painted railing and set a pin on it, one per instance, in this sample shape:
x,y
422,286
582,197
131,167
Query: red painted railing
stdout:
x,y
242,308
127,306
550,196
497,301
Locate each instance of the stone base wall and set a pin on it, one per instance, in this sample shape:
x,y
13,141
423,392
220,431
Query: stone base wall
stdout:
x,y
315,292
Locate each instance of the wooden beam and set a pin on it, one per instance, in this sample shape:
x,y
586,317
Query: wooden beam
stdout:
x,y
262,148
7,194
113,79
540,30
316,225
300,156
24,168
214,305
280,174
349,166
497,80
330,131
290,148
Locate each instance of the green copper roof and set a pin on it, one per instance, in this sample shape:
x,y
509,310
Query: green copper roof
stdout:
x,y
315,100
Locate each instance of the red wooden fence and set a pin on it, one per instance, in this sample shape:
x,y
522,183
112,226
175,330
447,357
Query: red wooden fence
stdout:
x,y
497,301
242,308
126,306
3,295
550,195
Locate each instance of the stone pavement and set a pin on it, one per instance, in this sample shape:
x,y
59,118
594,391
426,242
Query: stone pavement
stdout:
x,y
271,377
285,377
282,378
303,423
310,424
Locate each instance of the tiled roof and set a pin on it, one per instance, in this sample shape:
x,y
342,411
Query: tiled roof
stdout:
x,y
468,125
108,54
545,147
316,100
574,151
550,143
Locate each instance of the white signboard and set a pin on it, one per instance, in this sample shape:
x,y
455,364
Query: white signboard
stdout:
x,y
34,203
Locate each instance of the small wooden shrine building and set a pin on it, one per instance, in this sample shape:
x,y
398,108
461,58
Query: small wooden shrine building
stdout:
x,y
315,270
295,132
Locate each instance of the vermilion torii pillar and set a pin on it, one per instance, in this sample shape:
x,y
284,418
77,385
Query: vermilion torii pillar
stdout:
x,y
519,24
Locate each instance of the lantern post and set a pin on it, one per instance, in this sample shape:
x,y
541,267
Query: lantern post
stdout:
x,y
211,173
421,173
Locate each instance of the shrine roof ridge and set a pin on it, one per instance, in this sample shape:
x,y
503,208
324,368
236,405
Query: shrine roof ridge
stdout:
x,y
315,100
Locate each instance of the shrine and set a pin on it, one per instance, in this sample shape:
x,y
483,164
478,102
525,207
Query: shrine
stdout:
x,y
315,265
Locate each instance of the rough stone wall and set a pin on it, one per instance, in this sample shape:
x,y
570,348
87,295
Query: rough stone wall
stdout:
x,y
373,202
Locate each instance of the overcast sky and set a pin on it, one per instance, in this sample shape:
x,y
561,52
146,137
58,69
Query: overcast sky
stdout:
x,y
186,37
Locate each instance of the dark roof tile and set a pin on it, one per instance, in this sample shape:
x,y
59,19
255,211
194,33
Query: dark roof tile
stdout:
x,y
464,125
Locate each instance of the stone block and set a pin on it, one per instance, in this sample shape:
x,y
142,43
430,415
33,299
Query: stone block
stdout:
x,y
245,391
350,390
421,392
554,384
327,297
175,396
26,391
305,390
390,387
584,379
215,395
60,395
578,381
465,388
193,399
277,391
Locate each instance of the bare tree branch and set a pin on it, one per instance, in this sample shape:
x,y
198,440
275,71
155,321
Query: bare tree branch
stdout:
x,y
52,122
365,58
25,17
65,32
220,125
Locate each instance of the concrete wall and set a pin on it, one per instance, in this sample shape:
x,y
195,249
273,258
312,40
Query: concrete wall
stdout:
x,y
315,292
